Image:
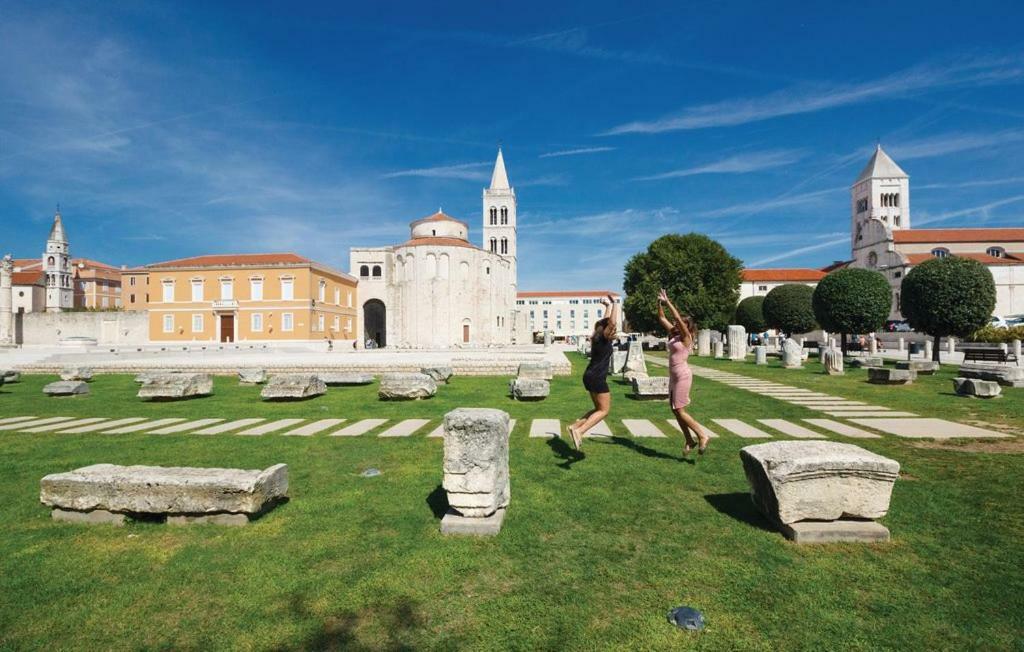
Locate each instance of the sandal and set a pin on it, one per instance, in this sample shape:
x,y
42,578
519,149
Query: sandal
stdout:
x,y
703,447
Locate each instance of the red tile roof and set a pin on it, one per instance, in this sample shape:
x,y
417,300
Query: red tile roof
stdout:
x,y
92,263
992,236
566,293
1010,259
439,217
839,264
233,260
28,278
796,275
28,263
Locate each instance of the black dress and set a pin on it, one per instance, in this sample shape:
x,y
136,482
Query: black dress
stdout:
x,y
595,377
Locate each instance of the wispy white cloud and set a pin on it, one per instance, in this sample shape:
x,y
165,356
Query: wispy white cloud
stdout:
x,y
737,164
790,253
982,183
809,98
944,144
465,171
982,211
577,152
760,206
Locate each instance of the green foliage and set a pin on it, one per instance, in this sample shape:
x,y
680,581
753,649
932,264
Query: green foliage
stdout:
x,y
699,274
997,335
749,315
851,300
788,308
948,296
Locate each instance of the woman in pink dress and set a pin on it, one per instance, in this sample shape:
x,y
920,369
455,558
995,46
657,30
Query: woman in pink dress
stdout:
x,y
682,333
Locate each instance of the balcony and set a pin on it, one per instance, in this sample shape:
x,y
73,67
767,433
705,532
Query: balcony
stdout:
x,y
225,304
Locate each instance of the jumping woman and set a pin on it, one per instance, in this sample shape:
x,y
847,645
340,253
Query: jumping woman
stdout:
x,y
682,333
595,377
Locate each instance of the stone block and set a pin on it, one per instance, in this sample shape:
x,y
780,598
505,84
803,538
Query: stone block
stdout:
x,y
718,348
737,336
922,367
976,387
66,388
146,376
208,519
439,374
832,362
792,354
868,361
540,370
1006,375
476,476
636,363
704,342
11,376
293,387
761,354
485,526
76,373
794,481
618,363
165,490
651,388
835,532
95,517
887,376
176,386
333,378
406,387
529,389
252,376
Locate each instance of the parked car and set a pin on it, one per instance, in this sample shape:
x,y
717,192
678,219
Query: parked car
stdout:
x,y
898,326
997,322
1015,320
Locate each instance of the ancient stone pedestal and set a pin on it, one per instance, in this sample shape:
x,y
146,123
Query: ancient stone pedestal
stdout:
x,y
291,387
761,354
540,370
704,342
146,376
529,389
11,376
176,386
252,376
977,388
406,387
650,388
792,354
105,493
887,376
737,343
856,363
900,345
76,373
1016,350
872,345
950,345
929,349
1007,375
922,367
439,374
817,491
66,388
718,348
618,363
832,362
332,378
636,364
476,477
6,302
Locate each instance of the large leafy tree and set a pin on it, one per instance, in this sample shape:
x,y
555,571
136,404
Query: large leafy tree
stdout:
x,y
749,314
788,308
698,273
948,296
852,300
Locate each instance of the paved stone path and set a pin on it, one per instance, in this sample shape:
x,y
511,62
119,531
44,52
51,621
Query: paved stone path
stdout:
x,y
842,429
187,426
600,430
404,428
546,428
675,424
103,425
16,419
313,428
885,412
228,427
359,428
273,426
737,427
642,428
50,427
34,422
791,429
143,426
927,428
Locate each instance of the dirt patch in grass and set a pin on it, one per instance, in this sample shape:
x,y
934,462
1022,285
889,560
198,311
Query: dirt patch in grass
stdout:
x,y
1007,446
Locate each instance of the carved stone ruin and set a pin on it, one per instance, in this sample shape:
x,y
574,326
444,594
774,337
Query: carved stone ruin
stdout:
x,y
176,386
832,361
66,388
650,388
792,354
1007,375
737,343
704,342
76,373
636,364
284,387
6,302
761,354
439,374
540,370
406,387
887,376
977,388
618,363
252,376
529,389
476,477
718,348
332,378
922,367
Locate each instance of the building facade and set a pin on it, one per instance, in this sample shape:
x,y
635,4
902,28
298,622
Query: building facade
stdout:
x,y
759,282
246,297
566,314
96,285
438,289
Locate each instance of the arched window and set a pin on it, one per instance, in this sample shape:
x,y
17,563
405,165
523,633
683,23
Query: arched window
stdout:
x,y
399,269
50,261
431,269
364,271
443,265
996,252
896,200
494,216
504,245
376,271
504,215
940,252
464,270
494,245
873,259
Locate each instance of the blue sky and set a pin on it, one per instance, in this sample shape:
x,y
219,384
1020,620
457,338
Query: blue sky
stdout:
x,y
174,129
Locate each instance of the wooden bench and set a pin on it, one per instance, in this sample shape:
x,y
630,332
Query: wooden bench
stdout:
x,y
986,354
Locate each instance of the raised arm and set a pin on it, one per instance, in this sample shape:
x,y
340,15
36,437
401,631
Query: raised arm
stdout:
x,y
680,322
666,324
612,313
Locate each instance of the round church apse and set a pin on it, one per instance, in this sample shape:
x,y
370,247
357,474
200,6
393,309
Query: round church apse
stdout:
x,y
375,321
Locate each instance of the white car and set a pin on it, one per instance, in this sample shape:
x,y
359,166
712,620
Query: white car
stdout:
x,y
997,322
1014,320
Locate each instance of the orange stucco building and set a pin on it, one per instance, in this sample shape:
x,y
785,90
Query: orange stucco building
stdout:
x,y
243,297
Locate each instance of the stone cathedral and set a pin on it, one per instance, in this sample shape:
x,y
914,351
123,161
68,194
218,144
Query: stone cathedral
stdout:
x,y
438,289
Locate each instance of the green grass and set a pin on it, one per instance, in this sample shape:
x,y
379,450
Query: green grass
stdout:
x,y
594,551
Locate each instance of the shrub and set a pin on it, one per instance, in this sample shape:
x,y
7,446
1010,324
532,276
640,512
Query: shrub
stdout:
x,y
788,308
852,300
997,335
750,316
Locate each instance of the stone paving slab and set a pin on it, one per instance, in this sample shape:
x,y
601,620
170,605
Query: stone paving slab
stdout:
x,y
927,428
147,425
182,427
34,422
358,428
642,428
315,427
50,427
546,428
741,429
404,428
16,419
869,413
599,430
227,427
675,424
273,426
791,429
842,429
826,403
103,425
863,407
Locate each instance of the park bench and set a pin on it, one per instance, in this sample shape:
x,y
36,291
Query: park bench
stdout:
x,y
982,353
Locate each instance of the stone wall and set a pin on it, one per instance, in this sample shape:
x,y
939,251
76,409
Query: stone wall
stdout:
x,y
48,328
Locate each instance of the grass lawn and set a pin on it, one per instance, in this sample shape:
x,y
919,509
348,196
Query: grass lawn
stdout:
x,y
595,550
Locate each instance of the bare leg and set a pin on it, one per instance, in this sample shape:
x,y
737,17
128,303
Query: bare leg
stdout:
x,y
685,427
602,405
702,437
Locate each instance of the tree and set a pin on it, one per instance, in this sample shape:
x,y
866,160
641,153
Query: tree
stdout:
x,y
788,308
698,273
852,300
750,316
948,296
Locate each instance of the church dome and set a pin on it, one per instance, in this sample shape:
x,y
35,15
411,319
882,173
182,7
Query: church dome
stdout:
x,y
440,225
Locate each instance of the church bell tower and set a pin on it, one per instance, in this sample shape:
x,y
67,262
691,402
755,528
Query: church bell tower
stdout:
x,y
500,215
57,265
882,192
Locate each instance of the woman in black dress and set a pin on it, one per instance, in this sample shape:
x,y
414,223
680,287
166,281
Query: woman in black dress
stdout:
x,y
595,377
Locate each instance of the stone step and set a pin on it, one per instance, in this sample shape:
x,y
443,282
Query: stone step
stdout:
x,y
50,427
868,413
842,429
145,425
16,419
188,426
642,428
35,422
102,425
359,428
313,428
675,424
927,428
546,428
599,430
268,428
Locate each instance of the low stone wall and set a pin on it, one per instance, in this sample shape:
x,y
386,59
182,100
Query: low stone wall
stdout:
x,y
107,328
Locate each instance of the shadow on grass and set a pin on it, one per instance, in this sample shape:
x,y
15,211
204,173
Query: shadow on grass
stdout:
x,y
645,451
567,453
437,500
398,622
740,507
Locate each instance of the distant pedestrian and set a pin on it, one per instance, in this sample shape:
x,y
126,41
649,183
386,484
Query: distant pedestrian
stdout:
x,y
595,377
681,334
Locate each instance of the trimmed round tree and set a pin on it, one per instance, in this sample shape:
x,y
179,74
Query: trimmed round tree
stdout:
x,y
852,300
750,316
948,296
788,308
698,273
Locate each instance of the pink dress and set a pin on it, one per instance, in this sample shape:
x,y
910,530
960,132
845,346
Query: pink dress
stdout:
x,y
679,375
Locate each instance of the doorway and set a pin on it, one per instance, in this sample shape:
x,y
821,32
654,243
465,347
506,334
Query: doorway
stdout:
x,y
227,328
465,333
375,322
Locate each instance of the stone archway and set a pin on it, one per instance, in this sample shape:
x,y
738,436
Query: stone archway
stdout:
x,y
375,322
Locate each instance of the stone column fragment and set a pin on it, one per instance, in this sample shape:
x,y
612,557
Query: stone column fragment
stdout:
x,y
476,477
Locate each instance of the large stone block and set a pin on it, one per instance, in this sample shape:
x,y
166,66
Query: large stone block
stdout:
x,y
164,490
761,354
977,387
332,378
737,336
293,387
252,376
636,364
704,343
11,376
867,361
887,376
832,362
176,386
794,481
529,389
718,348
1006,375
146,376
618,364
66,388
650,388
406,387
476,476
76,373
439,374
792,354
922,367
540,370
